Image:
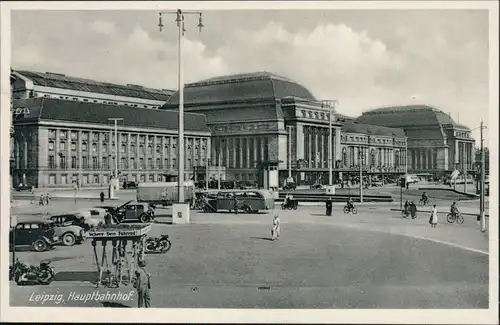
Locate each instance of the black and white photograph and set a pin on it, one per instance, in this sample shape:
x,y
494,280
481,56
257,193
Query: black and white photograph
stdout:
x,y
250,161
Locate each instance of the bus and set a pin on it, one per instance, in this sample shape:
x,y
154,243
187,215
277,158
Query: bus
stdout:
x,y
249,201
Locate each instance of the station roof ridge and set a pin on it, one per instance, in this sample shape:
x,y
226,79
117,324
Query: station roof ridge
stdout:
x,y
98,113
357,127
59,80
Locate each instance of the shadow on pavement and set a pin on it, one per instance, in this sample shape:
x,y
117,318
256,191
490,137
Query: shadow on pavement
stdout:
x,y
164,222
88,276
113,304
319,215
262,238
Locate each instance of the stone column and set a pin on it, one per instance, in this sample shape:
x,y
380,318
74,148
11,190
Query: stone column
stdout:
x,y
235,148
226,148
338,150
309,146
299,141
254,152
262,155
240,150
321,148
247,152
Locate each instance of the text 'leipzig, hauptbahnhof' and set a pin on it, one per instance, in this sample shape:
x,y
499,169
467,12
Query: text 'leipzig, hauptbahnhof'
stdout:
x,y
258,127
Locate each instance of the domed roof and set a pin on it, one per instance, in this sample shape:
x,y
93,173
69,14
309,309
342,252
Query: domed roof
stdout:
x,y
240,87
408,115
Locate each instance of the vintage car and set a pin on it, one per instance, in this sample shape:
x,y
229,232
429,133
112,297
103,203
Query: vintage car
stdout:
x,y
107,208
129,184
93,216
69,228
80,219
40,235
134,211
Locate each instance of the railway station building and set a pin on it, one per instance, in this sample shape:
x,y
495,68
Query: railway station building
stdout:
x,y
437,145
266,127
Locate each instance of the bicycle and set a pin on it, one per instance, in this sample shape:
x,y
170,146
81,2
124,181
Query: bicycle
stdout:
x,y
458,218
347,210
427,202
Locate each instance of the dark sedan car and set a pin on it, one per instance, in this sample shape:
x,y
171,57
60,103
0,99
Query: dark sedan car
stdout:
x,y
37,234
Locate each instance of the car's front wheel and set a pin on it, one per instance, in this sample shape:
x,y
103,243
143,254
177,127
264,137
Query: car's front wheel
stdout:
x,y
68,239
40,245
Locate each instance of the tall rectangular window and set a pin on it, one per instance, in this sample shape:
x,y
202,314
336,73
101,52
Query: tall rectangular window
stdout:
x,y
73,162
85,162
52,162
94,163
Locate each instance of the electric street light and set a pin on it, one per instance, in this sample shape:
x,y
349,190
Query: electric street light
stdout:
x,y
180,25
116,119
331,104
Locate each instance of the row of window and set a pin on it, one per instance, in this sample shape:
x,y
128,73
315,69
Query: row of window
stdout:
x,y
37,94
63,135
124,163
66,179
123,148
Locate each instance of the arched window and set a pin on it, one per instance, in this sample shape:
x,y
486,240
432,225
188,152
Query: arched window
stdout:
x,y
94,147
51,145
396,159
123,147
150,148
141,148
373,158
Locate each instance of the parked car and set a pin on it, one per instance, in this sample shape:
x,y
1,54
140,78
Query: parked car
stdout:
x,y
93,216
107,208
134,211
40,235
130,184
377,183
69,228
23,187
75,219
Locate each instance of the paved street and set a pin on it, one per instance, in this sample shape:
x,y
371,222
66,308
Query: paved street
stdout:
x,y
374,259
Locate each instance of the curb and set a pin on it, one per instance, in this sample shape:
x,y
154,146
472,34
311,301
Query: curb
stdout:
x,y
439,212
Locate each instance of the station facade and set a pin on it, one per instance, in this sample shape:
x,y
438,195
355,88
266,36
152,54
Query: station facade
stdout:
x,y
437,145
259,127
266,127
57,143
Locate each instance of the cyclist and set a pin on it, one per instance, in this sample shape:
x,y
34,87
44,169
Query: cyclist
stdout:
x,y
424,198
350,204
454,210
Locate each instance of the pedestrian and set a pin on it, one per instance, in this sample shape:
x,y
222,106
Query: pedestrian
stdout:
x,y
329,207
413,210
47,198
235,204
42,200
102,197
433,220
142,283
275,231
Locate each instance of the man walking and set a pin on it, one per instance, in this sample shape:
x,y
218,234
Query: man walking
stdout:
x,y
275,232
143,286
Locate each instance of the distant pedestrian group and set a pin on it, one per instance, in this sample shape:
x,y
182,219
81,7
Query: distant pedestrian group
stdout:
x,y
44,200
410,209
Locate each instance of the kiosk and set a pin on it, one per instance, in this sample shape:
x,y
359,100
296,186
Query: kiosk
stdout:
x,y
126,249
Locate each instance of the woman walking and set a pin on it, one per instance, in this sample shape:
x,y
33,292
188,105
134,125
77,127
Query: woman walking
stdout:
x,y
434,217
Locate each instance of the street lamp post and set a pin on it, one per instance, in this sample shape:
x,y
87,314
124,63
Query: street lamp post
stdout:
x,y
331,108
181,30
116,119
483,176
361,159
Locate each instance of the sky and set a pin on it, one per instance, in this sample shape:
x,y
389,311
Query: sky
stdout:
x,y
363,58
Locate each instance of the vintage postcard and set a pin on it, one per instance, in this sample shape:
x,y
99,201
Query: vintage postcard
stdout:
x,y
249,162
